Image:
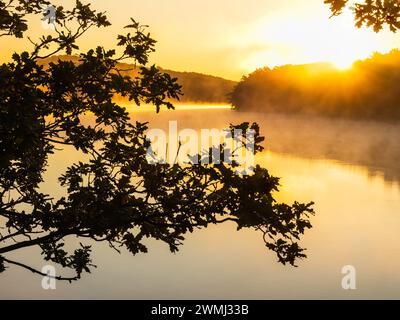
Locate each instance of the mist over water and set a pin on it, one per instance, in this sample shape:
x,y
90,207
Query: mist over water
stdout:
x,y
372,145
350,169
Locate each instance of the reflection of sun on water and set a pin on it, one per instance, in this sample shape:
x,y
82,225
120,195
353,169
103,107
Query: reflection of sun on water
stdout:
x,y
201,106
178,106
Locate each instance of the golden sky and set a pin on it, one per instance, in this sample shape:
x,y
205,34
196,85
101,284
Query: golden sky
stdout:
x,y
230,38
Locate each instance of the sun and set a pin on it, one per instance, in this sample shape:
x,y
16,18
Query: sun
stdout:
x,y
343,64
296,40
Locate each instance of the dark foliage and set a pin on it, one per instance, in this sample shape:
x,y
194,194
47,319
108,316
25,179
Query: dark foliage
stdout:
x,y
116,196
369,90
371,13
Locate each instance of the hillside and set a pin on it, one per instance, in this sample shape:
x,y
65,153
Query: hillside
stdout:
x,y
369,90
196,87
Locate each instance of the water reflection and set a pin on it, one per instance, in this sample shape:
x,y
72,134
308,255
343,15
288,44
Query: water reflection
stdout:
x,y
357,223
373,145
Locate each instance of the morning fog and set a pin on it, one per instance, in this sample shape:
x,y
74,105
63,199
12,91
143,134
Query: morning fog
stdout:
x,y
204,146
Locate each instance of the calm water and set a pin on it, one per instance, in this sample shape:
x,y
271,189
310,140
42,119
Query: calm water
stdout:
x,y
350,169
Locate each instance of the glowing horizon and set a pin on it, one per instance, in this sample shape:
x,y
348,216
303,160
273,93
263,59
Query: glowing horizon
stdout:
x,y
179,106
231,38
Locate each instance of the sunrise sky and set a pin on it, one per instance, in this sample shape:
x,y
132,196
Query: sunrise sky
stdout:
x,y
230,38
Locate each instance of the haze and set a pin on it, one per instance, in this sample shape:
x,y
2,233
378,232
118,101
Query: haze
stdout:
x,y
240,35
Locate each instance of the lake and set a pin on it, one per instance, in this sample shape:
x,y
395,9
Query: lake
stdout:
x,y
350,169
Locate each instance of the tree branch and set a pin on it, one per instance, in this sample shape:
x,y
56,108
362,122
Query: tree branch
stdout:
x,y
77,277
55,236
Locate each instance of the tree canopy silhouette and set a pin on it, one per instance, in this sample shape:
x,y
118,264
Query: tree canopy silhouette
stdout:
x,y
116,196
368,90
372,13
320,89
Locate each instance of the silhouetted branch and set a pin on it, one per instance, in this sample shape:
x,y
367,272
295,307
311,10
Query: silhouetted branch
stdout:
x,y
52,237
77,277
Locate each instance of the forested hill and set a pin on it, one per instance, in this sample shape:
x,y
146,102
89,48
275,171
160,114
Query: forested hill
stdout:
x,y
368,90
197,87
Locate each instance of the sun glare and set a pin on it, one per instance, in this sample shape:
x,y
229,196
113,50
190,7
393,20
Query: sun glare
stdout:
x,y
297,40
344,64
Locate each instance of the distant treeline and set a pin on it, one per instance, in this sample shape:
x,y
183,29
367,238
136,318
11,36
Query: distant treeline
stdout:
x,y
203,88
369,90
196,87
